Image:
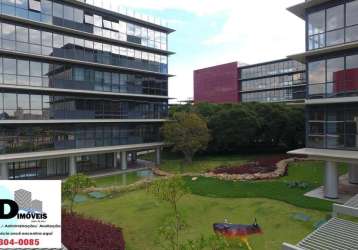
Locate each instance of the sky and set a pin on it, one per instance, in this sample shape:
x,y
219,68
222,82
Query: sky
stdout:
x,y
211,32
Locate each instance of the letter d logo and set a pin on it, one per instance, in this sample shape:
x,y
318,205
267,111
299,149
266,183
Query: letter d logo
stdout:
x,y
14,209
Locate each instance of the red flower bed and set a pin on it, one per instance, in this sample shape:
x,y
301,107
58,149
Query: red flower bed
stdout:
x,y
79,233
264,165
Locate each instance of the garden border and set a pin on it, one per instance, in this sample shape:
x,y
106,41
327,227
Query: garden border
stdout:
x,y
281,170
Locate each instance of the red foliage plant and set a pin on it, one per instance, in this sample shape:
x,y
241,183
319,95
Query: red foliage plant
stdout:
x,y
263,165
79,233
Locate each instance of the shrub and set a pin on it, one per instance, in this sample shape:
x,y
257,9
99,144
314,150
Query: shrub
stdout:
x,y
297,184
79,233
264,165
73,185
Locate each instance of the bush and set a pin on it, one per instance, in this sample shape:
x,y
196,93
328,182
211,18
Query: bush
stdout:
x,y
297,184
251,127
79,233
264,165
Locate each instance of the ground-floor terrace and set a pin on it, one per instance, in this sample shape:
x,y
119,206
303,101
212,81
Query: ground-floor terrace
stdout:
x,y
334,187
62,163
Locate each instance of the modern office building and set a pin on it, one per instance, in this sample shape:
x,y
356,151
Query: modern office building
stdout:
x,y
332,100
82,87
276,81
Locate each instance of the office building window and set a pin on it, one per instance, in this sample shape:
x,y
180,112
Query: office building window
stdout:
x,y
35,5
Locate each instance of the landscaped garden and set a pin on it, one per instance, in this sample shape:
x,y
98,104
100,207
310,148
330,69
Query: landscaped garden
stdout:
x,y
177,209
282,211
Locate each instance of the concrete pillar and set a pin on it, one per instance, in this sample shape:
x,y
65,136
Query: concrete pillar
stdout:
x,y
134,156
124,165
4,171
116,156
157,156
353,174
73,168
331,180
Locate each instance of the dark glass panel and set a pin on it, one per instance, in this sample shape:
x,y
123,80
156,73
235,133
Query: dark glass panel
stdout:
x,y
351,13
335,17
316,23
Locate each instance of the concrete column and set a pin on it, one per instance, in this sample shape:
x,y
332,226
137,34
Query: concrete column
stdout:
x,y
157,156
331,180
124,165
4,171
73,168
116,156
353,174
134,156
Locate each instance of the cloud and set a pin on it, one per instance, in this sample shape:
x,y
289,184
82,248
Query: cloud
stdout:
x,y
199,7
247,31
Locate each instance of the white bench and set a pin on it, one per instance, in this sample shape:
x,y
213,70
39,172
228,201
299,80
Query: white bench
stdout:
x,y
336,234
349,208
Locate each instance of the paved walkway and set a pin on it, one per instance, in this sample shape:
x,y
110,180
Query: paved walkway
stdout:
x,y
132,167
346,191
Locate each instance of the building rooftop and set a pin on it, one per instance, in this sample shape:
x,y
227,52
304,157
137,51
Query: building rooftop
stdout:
x,y
328,154
300,9
114,8
53,154
301,57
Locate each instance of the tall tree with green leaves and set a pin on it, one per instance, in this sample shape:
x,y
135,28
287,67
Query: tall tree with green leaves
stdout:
x,y
171,191
188,133
73,185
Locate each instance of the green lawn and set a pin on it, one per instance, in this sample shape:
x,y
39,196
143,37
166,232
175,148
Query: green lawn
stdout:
x,y
122,179
173,163
140,216
310,172
272,202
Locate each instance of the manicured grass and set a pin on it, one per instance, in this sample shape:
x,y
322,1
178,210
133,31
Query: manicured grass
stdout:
x,y
173,163
140,216
273,203
121,179
310,172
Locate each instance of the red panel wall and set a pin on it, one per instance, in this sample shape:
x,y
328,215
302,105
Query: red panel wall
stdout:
x,y
218,84
345,81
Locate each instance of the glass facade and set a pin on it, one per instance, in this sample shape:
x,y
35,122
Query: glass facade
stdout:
x,y
333,25
273,82
78,47
35,73
335,76
87,20
27,39
23,138
33,106
59,167
271,69
278,95
333,127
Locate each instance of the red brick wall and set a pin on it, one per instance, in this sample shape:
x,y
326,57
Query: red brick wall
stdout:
x,y
218,84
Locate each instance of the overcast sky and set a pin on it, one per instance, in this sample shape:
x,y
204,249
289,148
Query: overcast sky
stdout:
x,y
210,32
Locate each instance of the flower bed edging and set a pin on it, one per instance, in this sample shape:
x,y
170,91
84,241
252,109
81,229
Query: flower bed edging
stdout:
x,y
281,169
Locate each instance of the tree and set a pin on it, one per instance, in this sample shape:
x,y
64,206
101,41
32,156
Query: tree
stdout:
x,y
170,190
188,133
294,132
233,128
74,185
273,118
